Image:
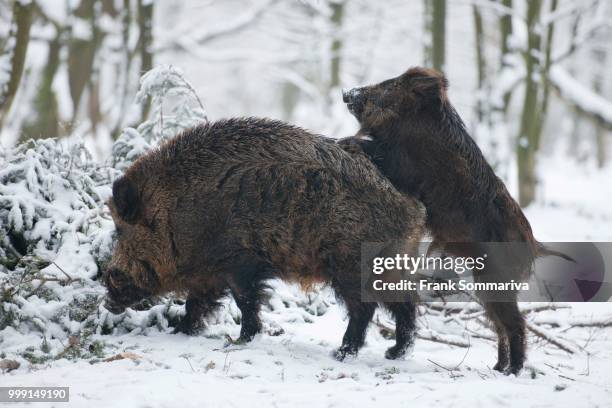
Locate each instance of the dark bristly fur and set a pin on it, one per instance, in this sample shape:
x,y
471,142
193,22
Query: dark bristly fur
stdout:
x,y
225,206
421,144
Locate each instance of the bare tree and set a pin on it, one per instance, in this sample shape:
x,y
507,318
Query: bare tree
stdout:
x,y
19,36
435,26
44,120
337,8
481,64
145,42
527,136
544,74
82,52
600,55
505,26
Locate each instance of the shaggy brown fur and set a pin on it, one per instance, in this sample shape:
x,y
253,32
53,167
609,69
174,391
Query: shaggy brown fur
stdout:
x,y
420,143
225,206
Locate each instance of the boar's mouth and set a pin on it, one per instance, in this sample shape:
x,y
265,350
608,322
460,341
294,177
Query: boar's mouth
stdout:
x,y
113,307
354,101
122,291
356,110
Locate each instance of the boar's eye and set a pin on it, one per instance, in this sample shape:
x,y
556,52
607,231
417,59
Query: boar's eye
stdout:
x,y
115,278
152,224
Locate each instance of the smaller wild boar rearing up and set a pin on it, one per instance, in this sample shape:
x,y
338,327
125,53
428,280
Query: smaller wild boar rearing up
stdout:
x,y
226,206
420,143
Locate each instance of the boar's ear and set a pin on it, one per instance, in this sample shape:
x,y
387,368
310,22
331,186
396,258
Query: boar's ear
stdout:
x,y
431,89
125,197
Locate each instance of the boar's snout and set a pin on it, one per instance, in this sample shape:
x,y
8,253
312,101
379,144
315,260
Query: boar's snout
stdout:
x,y
354,99
114,307
346,95
122,292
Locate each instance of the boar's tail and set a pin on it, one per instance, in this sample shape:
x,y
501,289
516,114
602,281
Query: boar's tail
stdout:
x,y
543,251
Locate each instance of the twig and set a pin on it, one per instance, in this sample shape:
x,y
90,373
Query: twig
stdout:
x,y
70,280
186,358
437,339
607,322
454,368
540,308
430,336
543,335
226,366
195,94
439,365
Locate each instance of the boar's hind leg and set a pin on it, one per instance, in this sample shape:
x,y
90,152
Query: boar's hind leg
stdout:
x,y
405,328
248,298
249,290
196,308
360,315
510,326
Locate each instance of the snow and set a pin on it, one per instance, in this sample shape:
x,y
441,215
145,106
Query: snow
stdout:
x,y
296,370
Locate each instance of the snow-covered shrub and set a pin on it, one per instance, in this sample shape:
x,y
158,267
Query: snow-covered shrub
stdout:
x,y
174,107
55,235
127,148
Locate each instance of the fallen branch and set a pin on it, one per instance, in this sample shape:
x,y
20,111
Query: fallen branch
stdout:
x,y
429,336
575,322
539,308
547,337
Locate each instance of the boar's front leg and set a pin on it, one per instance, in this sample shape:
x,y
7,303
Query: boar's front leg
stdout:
x,y
197,306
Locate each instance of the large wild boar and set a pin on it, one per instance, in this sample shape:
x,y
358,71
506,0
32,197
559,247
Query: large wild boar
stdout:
x,y
417,139
223,207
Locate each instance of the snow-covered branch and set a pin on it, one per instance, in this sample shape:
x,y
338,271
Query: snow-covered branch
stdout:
x,y
194,37
581,97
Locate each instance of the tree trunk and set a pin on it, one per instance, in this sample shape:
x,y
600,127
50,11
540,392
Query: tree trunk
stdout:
x,y
527,137
145,44
336,46
544,75
438,35
289,98
505,25
46,118
81,54
125,67
600,57
20,32
480,62
427,29
602,146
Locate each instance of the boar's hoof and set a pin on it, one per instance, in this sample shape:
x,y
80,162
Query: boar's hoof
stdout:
x,y
345,351
239,341
395,352
513,369
501,366
187,328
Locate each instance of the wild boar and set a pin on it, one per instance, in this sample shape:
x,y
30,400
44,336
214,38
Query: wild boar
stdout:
x,y
419,142
224,207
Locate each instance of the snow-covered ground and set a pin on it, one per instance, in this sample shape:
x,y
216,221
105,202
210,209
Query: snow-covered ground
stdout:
x,y
296,369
